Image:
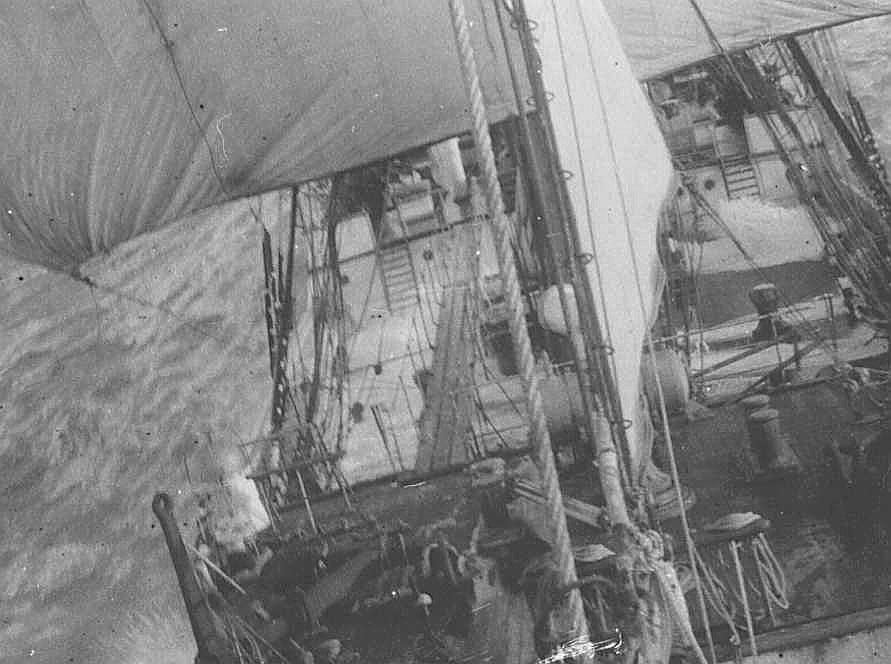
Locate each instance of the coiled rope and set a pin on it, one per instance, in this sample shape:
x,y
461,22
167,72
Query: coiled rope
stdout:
x,y
771,572
728,601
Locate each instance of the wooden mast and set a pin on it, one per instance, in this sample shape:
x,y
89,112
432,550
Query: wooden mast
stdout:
x,y
864,169
213,648
604,413
539,434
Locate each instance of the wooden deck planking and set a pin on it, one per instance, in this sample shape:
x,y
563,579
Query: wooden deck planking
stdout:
x,y
814,527
452,426
449,408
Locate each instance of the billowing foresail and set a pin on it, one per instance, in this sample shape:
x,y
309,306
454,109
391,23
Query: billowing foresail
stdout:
x,y
661,36
621,170
122,115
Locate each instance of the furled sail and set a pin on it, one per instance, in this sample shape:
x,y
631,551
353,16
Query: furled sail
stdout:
x,y
661,36
120,116
621,170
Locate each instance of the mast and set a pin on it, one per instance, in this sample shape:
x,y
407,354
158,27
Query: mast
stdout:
x,y
866,137
603,410
540,437
284,309
548,209
212,647
864,169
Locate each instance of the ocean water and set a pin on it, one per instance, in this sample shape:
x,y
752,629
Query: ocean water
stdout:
x,y
108,394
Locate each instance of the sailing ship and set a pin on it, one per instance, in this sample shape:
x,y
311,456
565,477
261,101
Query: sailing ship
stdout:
x,y
744,219
476,300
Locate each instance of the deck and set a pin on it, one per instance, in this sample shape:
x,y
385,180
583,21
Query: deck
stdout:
x,y
445,433
469,411
443,504
834,554
835,558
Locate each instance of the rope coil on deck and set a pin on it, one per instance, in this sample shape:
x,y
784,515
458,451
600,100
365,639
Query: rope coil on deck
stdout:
x,y
540,437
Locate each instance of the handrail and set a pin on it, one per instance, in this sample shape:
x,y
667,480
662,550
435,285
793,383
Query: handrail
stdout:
x,y
753,318
299,465
390,244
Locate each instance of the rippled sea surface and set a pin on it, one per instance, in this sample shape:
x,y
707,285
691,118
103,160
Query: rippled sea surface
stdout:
x,y
107,393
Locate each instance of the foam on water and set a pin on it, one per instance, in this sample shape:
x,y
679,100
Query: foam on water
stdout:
x,y
772,234
153,636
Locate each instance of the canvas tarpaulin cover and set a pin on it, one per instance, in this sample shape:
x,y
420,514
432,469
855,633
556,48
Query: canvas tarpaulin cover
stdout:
x,y
661,36
120,116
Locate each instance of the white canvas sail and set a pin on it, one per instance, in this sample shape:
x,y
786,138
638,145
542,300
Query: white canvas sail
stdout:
x,y
123,115
608,138
661,36
120,116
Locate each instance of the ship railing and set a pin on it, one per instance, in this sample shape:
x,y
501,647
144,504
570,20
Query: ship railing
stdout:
x,y
802,308
695,158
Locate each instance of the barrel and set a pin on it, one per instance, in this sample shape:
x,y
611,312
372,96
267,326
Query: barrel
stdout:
x,y
673,377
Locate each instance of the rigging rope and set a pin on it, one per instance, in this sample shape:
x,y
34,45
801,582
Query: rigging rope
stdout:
x,y
747,612
727,601
663,410
597,341
711,212
540,436
842,198
774,578
586,390
717,594
873,287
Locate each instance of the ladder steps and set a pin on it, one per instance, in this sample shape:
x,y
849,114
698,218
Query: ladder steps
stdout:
x,y
394,258
739,176
398,276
